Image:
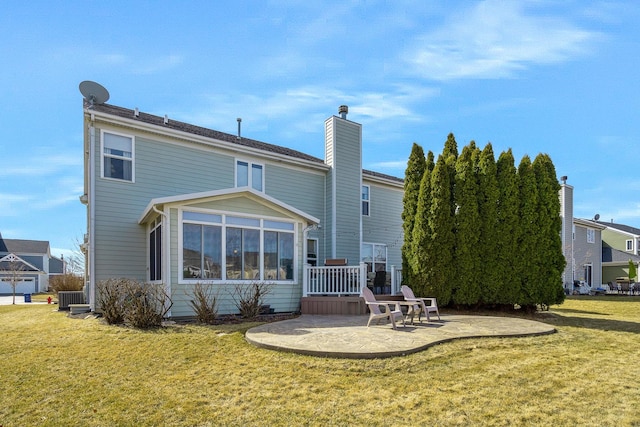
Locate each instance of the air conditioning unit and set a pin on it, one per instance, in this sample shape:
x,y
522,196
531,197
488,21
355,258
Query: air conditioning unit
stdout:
x,y
69,297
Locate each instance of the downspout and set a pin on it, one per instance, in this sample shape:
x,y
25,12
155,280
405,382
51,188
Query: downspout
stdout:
x,y
92,216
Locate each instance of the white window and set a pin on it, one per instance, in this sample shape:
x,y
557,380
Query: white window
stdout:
x,y
365,200
249,175
375,256
227,247
591,235
312,252
155,251
117,156
629,245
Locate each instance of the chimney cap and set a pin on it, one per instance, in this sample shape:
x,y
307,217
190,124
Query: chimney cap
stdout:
x,y
343,110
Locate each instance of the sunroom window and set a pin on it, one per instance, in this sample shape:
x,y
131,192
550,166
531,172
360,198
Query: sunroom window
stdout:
x,y
229,247
155,251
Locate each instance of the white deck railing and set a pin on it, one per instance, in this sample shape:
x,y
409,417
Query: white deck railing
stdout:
x,y
334,280
342,280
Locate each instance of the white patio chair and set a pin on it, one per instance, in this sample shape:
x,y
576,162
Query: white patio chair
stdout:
x,y
376,313
431,307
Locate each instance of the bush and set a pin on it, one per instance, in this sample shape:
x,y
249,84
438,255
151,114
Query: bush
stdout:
x,y
66,282
249,299
137,304
204,303
110,300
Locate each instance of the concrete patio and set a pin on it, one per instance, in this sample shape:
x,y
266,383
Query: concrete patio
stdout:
x,y
349,337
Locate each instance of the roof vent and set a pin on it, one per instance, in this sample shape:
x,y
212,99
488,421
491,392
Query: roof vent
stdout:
x,y
343,110
166,119
239,122
136,112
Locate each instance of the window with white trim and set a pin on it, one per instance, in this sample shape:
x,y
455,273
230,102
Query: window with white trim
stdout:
x,y
365,200
249,175
312,252
629,245
117,156
155,251
591,235
375,256
228,247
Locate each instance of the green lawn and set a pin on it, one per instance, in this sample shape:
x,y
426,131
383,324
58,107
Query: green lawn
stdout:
x,y
59,371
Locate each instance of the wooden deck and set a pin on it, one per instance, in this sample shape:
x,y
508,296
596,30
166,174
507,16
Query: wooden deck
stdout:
x,y
339,305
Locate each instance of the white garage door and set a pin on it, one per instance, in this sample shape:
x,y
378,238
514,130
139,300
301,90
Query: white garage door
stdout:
x,y
24,286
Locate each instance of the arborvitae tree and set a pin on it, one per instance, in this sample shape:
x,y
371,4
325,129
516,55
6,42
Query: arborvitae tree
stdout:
x,y
450,147
439,259
529,259
421,240
488,234
550,226
466,288
507,230
413,175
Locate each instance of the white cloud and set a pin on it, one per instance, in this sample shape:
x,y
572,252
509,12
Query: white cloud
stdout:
x,y
41,165
495,39
13,204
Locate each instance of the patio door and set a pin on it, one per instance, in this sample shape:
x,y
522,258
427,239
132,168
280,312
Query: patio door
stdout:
x,y
587,274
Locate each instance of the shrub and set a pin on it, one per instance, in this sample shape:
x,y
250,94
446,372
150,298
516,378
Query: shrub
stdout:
x,y
137,304
110,300
66,282
145,305
204,303
250,298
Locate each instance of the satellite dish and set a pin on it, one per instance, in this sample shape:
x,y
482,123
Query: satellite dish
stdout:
x,y
93,92
597,217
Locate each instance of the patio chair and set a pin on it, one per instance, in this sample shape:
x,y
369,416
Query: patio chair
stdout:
x,y
432,306
376,313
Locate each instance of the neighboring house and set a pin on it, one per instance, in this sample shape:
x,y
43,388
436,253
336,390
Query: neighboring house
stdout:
x,y
31,261
581,244
620,243
176,204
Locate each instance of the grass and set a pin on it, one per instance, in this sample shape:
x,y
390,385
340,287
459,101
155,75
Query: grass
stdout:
x,y
57,370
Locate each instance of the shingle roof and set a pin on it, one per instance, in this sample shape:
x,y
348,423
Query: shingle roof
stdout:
x,y
214,134
18,246
201,131
610,254
620,227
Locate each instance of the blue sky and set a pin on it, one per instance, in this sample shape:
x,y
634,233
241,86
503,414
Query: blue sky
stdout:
x,y
536,76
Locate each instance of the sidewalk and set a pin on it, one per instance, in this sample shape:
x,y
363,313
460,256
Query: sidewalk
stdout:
x,y
8,300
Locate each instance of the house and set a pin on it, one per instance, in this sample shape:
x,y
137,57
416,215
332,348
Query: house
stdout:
x,y
581,244
176,204
620,243
31,262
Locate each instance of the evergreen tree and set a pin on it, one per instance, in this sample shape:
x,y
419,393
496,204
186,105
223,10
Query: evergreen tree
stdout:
x,y
439,259
550,226
421,240
488,247
466,288
529,259
507,230
416,166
